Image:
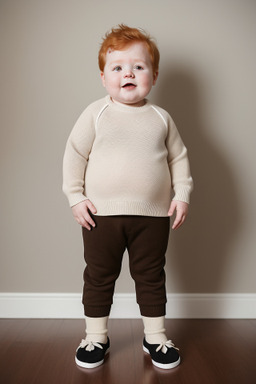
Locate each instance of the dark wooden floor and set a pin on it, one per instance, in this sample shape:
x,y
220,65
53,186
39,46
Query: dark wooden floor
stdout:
x,y
213,352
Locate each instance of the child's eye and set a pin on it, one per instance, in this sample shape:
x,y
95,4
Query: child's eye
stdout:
x,y
139,67
117,68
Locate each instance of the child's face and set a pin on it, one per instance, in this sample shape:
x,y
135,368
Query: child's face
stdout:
x,y
128,75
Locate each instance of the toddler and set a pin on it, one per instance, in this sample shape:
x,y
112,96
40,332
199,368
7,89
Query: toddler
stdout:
x,y
123,159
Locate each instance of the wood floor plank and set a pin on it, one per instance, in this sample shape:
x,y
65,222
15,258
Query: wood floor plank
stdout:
x,y
212,351
213,354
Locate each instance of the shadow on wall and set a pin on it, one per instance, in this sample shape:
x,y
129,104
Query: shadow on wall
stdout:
x,y
199,254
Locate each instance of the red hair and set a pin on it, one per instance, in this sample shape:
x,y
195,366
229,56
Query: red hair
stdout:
x,y
119,38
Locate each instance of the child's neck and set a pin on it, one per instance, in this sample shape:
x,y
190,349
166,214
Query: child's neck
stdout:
x,y
138,104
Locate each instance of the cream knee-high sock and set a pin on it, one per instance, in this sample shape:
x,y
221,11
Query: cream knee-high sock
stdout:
x,y
96,329
154,329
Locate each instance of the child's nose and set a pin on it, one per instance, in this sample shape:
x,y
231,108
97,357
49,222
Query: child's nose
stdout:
x,y
129,73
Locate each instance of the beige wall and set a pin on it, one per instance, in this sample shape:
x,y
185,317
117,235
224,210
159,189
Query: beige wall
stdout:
x,y
207,82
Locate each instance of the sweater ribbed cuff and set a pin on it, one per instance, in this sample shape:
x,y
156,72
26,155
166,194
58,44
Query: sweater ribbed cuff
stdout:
x,y
76,199
182,193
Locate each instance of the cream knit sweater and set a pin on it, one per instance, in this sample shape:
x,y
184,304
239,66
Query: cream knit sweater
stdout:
x,y
126,160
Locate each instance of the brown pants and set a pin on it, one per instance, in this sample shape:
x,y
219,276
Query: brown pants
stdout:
x,y
146,240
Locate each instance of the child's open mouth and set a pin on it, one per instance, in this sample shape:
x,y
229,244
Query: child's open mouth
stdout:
x,y
129,86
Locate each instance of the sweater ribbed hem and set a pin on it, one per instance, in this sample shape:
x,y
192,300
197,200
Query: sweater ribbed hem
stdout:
x,y
140,208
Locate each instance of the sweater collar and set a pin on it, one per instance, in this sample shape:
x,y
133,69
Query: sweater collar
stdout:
x,y
126,107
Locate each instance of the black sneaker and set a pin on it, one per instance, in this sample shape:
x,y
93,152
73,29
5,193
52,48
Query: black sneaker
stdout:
x,y
163,355
91,354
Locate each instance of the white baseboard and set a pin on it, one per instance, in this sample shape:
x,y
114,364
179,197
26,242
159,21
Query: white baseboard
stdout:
x,y
69,306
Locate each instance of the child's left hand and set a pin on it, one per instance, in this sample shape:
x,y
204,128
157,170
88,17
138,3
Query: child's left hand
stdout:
x,y
181,212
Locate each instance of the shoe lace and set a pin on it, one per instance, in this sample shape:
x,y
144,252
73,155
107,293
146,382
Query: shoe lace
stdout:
x,y
89,345
165,345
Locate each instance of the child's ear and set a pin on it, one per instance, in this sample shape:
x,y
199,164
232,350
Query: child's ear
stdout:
x,y
155,76
102,78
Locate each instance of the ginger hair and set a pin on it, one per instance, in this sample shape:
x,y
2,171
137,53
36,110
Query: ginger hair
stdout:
x,y
122,36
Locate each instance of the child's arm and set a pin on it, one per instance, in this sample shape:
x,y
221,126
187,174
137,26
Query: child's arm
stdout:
x,y
181,212
81,213
76,157
182,182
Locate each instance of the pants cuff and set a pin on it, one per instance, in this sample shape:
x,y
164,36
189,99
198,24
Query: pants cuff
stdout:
x,y
101,311
153,311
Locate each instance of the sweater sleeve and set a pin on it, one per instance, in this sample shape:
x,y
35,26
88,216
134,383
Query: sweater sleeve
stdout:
x,y
178,163
76,157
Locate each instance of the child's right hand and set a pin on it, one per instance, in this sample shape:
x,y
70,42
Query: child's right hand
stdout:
x,y
81,214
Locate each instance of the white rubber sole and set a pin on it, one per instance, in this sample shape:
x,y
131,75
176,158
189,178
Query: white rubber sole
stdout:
x,y
90,365
162,366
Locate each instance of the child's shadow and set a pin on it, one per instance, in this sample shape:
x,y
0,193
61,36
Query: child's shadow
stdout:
x,y
199,257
